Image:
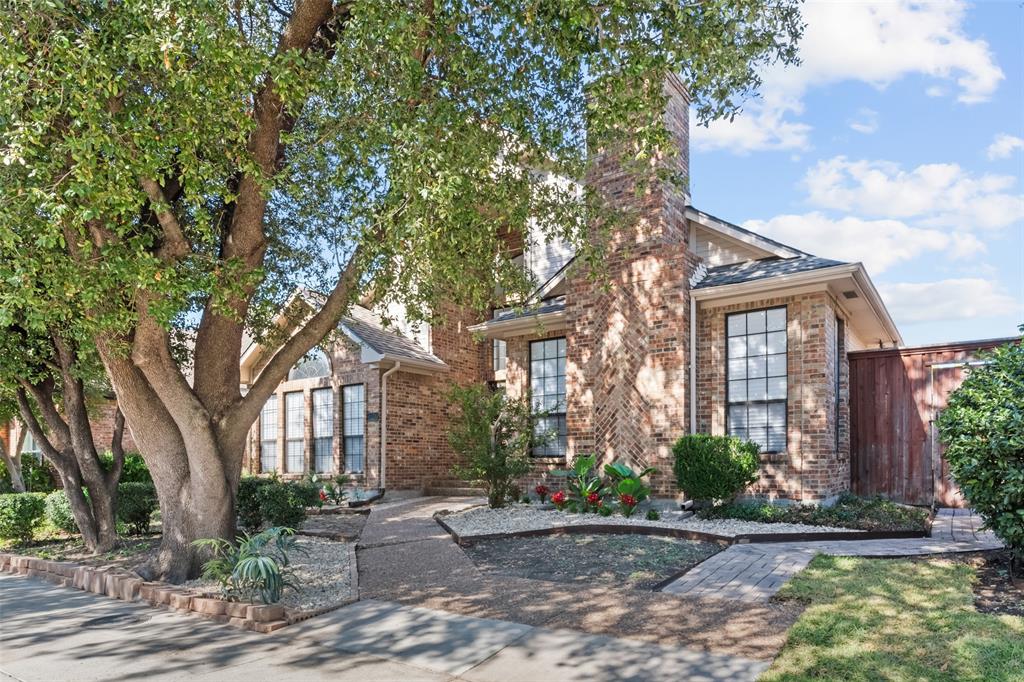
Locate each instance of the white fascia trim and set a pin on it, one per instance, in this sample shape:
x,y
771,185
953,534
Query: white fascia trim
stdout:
x,y
729,231
414,365
820,276
499,329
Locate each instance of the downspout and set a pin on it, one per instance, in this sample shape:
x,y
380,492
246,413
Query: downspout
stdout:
x,y
693,364
384,423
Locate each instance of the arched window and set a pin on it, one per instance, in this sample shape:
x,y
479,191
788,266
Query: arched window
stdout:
x,y
314,364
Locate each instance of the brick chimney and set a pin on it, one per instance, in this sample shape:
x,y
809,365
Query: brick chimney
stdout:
x,y
628,346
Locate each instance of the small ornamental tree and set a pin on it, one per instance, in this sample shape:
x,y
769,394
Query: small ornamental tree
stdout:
x,y
493,435
983,428
172,171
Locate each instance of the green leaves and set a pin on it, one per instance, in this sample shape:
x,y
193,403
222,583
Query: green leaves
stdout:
x,y
983,428
255,565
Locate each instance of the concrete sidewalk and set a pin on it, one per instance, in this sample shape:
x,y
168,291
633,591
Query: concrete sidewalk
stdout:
x,y
51,633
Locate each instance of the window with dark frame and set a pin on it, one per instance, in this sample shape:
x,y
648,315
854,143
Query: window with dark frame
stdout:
x,y
756,377
499,354
547,391
268,435
323,430
353,426
294,432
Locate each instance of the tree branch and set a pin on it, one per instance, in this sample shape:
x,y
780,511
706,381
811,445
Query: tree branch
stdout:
x,y
117,447
28,416
175,246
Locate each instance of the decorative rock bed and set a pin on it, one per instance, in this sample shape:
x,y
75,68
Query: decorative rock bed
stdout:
x,y
333,584
483,521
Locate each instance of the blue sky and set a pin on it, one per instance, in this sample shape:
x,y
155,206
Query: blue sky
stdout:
x,y
899,142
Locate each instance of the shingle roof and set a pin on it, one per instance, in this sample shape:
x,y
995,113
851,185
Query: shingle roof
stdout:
x,y
551,305
752,270
364,324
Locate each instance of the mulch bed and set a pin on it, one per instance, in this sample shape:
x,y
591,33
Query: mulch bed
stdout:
x,y
994,592
635,561
133,550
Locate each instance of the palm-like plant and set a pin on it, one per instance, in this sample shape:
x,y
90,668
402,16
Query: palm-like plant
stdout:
x,y
252,565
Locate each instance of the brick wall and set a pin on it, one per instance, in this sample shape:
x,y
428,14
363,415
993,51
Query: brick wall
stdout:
x,y
627,344
813,468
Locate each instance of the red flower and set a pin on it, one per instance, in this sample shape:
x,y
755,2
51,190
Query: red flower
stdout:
x,y
541,490
627,500
593,498
559,497
323,496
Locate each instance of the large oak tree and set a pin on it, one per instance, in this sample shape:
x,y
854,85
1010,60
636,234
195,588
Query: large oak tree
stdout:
x,y
176,168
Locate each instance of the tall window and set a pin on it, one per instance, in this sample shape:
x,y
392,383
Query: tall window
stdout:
x,y
31,447
840,351
268,435
323,430
353,413
294,432
547,389
756,380
499,352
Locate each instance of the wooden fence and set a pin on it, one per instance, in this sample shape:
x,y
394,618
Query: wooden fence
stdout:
x,y
896,395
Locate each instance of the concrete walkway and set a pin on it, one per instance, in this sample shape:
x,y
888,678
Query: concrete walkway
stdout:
x,y
52,633
754,572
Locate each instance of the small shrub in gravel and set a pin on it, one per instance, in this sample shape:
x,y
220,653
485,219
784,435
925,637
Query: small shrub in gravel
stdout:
x,y
653,515
307,492
136,503
20,513
849,511
247,503
58,512
714,468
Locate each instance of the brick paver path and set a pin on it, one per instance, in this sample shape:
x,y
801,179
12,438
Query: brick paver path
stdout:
x,y
754,572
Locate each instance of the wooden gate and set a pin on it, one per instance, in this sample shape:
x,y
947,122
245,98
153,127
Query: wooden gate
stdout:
x,y
896,395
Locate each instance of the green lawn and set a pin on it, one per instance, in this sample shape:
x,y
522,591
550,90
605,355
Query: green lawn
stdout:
x,y
879,619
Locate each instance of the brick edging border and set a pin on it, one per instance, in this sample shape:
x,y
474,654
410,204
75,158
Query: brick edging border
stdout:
x,y
128,586
662,531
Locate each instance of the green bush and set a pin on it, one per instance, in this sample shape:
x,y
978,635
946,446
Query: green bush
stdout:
x,y
39,476
136,503
983,427
280,505
849,511
307,491
20,513
58,512
253,566
492,434
247,503
134,469
714,468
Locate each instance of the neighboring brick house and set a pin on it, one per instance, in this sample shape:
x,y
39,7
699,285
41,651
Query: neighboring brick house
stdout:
x,y
706,327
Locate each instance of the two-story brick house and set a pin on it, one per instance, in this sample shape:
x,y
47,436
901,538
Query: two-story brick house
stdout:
x,y
706,327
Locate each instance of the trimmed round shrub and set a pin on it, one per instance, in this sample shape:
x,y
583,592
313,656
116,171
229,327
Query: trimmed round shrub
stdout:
x,y
280,505
983,427
714,468
58,512
20,513
136,503
247,502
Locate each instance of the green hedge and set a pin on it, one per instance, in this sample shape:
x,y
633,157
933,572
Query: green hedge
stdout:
x,y
714,468
136,503
58,512
38,475
20,513
271,502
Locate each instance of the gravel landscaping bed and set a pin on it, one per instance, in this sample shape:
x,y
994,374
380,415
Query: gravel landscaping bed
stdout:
x,y
516,518
635,561
320,569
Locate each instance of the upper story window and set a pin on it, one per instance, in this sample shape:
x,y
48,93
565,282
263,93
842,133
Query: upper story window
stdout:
x,y
547,390
314,364
756,383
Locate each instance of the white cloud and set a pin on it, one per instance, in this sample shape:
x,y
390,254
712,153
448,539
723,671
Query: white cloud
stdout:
x,y
935,194
948,299
879,244
935,91
874,42
866,121
1003,146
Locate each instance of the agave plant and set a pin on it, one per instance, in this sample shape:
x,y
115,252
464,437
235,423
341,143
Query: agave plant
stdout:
x,y
254,565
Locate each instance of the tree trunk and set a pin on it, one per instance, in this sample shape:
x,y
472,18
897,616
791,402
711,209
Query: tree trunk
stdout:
x,y
13,462
191,509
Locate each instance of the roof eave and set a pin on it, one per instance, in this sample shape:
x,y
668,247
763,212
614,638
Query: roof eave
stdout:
x,y
821,275
744,236
518,326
